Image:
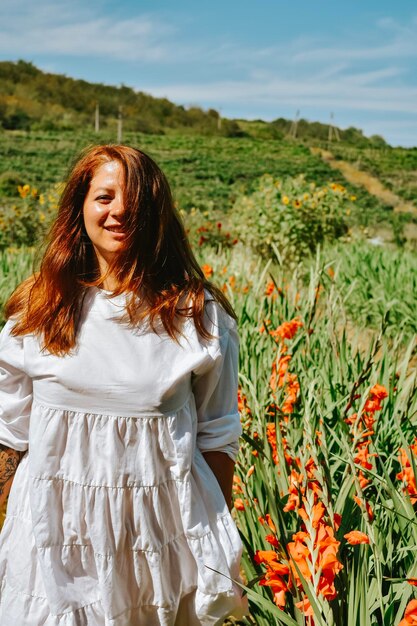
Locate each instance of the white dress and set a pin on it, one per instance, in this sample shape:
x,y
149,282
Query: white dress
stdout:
x,y
114,516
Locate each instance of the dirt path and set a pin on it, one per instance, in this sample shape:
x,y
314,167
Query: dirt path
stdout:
x,y
372,184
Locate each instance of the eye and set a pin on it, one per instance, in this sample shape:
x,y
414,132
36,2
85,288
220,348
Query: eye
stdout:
x,y
104,198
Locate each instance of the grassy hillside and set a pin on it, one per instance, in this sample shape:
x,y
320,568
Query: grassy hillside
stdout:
x,y
36,100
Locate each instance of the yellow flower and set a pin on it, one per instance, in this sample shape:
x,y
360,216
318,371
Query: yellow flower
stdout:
x,y
23,190
337,187
306,196
41,216
41,199
285,200
353,198
297,204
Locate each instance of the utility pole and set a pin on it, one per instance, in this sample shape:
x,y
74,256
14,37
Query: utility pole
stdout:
x,y
294,126
333,131
97,118
120,125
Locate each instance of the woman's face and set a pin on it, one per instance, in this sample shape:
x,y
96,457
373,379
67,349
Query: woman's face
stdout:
x,y
103,212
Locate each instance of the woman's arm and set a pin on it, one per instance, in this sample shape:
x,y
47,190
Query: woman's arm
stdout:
x,y
222,467
9,460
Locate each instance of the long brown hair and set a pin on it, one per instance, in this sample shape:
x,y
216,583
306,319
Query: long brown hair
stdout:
x,y
156,260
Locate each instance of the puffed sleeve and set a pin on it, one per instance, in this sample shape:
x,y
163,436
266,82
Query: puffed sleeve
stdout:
x,y
15,392
215,386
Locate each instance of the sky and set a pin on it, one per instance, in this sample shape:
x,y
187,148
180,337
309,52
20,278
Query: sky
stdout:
x,y
258,59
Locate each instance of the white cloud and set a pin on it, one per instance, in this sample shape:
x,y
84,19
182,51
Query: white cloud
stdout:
x,y
400,42
335,94
73,29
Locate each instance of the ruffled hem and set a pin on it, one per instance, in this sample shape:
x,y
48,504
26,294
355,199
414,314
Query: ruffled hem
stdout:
x,y
194,608
67,570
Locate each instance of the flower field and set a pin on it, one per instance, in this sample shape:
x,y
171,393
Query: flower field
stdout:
x,y
325,488
325,493
325,485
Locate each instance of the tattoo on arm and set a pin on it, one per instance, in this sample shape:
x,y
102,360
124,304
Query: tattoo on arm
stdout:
x,y
9,460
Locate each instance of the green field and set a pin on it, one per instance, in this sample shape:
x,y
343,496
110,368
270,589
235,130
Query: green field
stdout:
x,y
206,172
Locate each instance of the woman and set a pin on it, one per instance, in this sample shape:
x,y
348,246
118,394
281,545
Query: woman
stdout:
x,y
118,383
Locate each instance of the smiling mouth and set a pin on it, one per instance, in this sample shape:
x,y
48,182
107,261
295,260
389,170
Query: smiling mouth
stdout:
x,y
115,229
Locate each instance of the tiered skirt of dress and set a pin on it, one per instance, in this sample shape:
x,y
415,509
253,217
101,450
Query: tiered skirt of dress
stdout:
x,y
114,517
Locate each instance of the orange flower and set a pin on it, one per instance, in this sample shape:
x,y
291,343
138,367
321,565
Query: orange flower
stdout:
x,y
265,556
362,457
207,270
407,473
239,504
270,523
272,540
305,607
279,599
379,392
410,615
362,431
269,289
287,330
356,537
337,520
325,561
268,520
318,513
280,377
363,481
242,404
237,484
279,371
322,562
367,506
294,488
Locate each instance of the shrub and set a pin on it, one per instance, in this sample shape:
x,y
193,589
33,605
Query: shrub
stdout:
x,y
26,222
207,229
293,215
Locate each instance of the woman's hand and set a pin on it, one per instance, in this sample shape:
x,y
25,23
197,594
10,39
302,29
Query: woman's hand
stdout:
x,y
9,460
222,467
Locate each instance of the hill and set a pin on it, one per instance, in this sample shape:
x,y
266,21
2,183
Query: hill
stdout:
x,y
31,99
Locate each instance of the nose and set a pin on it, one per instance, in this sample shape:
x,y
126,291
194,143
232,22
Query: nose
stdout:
x,y
117,207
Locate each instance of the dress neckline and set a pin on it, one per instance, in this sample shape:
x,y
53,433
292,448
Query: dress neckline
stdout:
x,y
107,295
